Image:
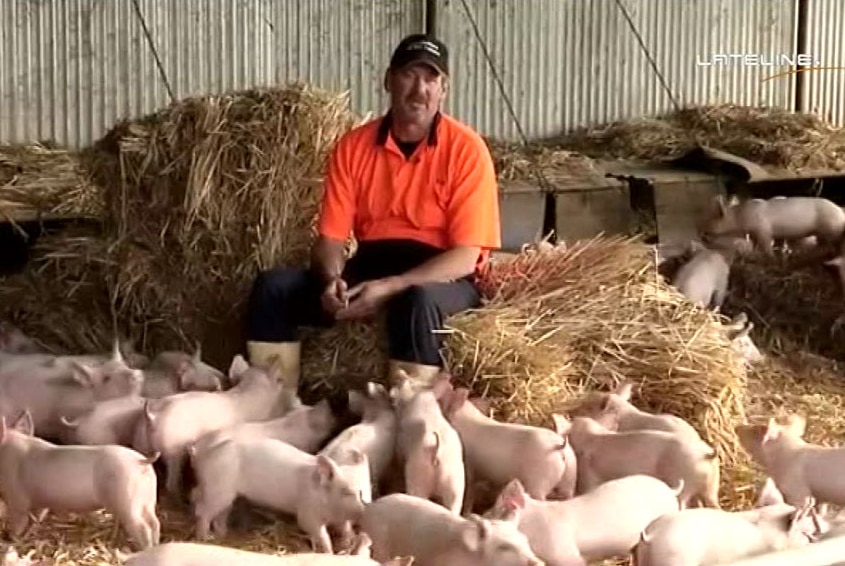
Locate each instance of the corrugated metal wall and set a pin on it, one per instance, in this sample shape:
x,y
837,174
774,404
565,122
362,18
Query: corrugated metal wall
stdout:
x,y
823,91
70,68
566,63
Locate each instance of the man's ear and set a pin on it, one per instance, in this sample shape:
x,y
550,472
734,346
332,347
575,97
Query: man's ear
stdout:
x,y
387,80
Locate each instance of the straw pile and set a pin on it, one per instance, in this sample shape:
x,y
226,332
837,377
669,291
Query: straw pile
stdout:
x,y
515,161
771,137
794,301
562,321
200,196
38,178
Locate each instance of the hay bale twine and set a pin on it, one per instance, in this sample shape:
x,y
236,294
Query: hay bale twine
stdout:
x,y
561,322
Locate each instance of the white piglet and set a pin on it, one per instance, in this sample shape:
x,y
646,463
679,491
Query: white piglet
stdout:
x,y
175,422
604,455
801,471
429,446
779,218
305,427
37,476
703,280
706,537
404,525
274,474
498,452
599,525
374,436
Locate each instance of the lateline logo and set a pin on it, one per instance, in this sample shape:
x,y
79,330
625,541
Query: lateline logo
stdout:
x,y
805,62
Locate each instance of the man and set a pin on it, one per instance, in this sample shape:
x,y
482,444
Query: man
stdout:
x,y
418,190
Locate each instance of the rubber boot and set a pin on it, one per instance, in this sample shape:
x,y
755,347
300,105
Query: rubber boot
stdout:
x,y
421,375
287,359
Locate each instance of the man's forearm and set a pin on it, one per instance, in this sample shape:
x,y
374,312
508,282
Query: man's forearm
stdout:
x,y
447,266
328,258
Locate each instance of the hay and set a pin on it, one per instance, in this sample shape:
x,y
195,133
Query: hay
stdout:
x,y
514,161
200,196
62,299
48,180
93,539
560,322
794,301
771,137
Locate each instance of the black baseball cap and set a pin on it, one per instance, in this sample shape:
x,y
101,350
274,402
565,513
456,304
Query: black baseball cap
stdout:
x,y
421,48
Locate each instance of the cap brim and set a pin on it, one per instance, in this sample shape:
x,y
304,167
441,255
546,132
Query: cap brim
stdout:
x,y
427,61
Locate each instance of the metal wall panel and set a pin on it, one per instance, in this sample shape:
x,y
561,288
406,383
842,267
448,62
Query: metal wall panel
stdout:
x,y
69,69
568,63
823,91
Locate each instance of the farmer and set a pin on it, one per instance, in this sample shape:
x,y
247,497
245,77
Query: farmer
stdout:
x,y
418,190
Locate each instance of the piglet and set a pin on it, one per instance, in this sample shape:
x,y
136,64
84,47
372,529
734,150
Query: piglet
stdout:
x,y
108,422
196,554
739,333
404,525
173,372
52,392
274,474
497,452
614,411
779,218
177,421
306,428
429,446
703,280
604,455
601,524
801,471
37,476
374,436
703,537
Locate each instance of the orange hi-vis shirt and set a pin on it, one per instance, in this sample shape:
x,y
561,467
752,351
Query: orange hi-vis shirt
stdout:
x,y
444,195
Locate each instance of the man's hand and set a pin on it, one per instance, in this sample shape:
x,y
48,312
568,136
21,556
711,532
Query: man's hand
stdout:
x,y
368,297
335,297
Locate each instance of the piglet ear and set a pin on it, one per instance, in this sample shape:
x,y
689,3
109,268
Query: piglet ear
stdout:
x,y
513,496
24,423
326,469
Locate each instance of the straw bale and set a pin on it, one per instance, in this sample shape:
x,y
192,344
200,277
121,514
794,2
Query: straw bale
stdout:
x,y
771,137
48,180
560,322
200,196
793,299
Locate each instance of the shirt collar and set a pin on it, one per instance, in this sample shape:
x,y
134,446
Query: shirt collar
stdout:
x,y
386,121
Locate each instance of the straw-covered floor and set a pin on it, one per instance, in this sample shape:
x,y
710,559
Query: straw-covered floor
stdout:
x,y
772,137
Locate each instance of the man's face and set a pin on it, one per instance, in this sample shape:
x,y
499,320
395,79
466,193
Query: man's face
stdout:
x,y
416,92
